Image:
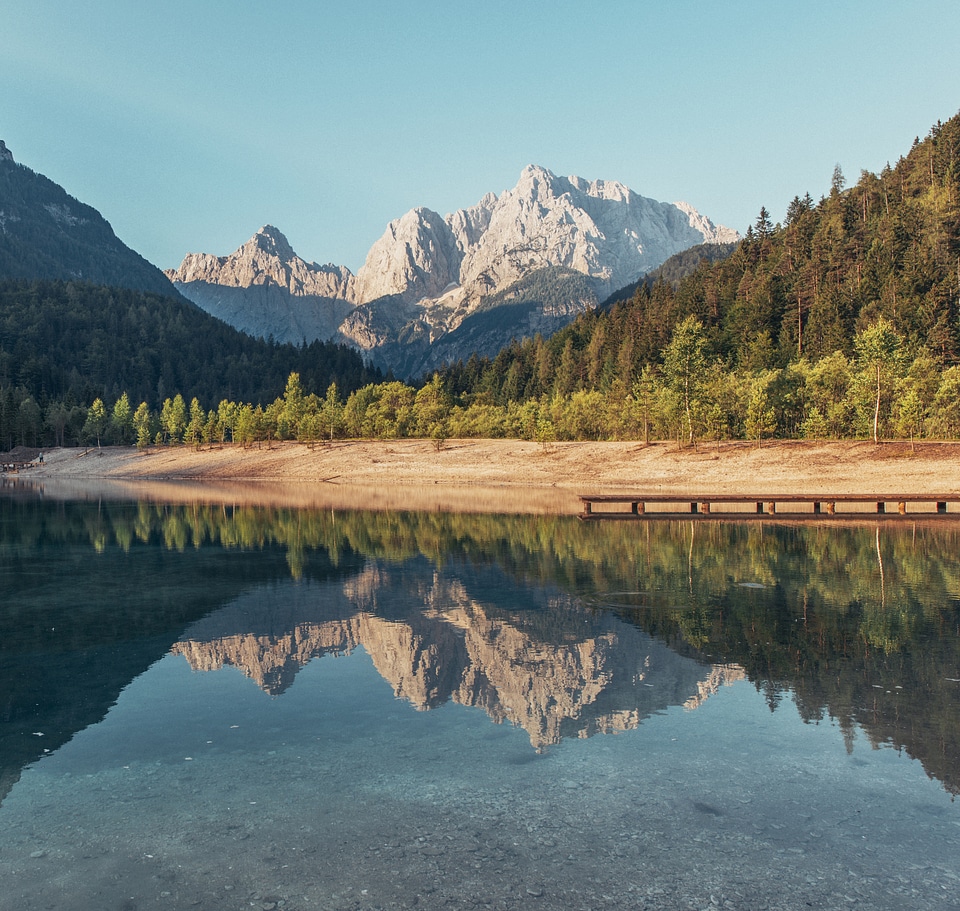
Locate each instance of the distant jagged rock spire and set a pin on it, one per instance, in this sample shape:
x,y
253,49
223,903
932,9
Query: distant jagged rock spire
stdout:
x,y
266,259
5,153
272,240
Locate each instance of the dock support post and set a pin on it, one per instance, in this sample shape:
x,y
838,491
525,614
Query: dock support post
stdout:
x,y
633,508
760,507
771,508
816,507
641,508
941,506
831,508
587,507
705,508
881,506
694,507
902,508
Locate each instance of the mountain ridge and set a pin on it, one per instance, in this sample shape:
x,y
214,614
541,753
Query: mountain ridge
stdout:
x,y
84,316
428,273
47,233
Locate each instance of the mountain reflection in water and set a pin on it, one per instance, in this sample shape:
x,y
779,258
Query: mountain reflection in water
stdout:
x,y
565,628
584,673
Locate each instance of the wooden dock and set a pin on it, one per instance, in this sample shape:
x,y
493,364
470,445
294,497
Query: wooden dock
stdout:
x,y
747,506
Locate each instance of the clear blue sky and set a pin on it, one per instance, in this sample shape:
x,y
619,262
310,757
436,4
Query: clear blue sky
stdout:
x,y
191,124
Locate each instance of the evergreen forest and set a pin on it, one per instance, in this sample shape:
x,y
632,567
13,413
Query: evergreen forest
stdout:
x,y
840,322
66,346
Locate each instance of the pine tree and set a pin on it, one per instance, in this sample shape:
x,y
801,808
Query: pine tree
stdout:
x,y
141,425
121,421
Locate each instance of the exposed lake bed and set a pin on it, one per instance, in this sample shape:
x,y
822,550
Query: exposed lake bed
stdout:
x,y
387,473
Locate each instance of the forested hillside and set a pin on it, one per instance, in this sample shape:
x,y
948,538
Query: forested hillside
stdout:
x,y
83,318
46,233
674,270
787,321
64,344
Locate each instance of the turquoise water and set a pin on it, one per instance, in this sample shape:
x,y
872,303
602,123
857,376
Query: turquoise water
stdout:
x,y
236,708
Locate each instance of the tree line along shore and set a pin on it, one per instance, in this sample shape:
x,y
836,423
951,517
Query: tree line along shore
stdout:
x,y
879,393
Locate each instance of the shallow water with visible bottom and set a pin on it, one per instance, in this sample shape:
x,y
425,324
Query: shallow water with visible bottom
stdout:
x,y
360,711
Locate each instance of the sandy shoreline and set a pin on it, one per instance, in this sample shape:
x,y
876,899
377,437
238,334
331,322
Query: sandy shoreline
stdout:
x,y
492,475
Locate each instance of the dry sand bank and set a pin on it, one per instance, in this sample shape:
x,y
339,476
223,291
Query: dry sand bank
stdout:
x,y
494,475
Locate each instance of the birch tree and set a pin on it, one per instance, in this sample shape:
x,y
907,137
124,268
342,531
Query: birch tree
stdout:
x,y
878,350
684,360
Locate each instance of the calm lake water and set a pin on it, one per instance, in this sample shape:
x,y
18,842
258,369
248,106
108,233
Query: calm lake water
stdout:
x,y
232,708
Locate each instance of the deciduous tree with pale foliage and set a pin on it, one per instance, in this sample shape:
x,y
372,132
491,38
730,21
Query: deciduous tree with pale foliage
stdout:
x,y
878,349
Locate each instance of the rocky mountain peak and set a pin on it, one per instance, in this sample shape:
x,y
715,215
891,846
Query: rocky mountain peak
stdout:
x,y
428,274
5,153
536,181
265,289
271,241
266,259
535,175
417,256
600,228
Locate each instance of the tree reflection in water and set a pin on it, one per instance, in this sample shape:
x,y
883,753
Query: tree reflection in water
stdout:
x,y
855,622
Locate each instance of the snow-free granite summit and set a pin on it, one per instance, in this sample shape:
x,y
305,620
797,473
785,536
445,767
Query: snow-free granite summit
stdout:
x,y
427,274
